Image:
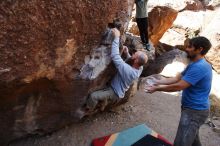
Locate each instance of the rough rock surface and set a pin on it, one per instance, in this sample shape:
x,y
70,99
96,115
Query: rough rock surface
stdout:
x,y
43,45
134,44
160,20
174,56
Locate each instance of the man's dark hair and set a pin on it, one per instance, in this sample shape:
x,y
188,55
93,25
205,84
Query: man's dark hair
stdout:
x,y
200,42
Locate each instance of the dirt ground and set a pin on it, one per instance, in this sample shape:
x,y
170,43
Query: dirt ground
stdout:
x,y
160,111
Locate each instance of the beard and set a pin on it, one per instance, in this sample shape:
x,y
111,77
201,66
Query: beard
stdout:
x,y
191,57
130,61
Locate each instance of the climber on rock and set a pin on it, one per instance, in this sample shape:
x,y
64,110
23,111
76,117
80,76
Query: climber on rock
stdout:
x,y
126,74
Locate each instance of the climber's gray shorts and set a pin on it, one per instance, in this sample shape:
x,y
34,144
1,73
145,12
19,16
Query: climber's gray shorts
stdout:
x,y
105,96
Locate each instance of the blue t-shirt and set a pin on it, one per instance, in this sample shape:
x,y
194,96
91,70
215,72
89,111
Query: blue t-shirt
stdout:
x,y
199,75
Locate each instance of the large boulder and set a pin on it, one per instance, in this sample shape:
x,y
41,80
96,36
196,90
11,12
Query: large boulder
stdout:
x,y
43,45
169,63
160,20
134,44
